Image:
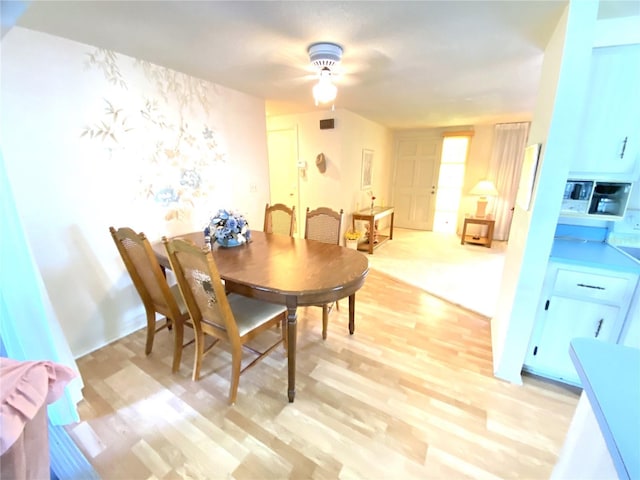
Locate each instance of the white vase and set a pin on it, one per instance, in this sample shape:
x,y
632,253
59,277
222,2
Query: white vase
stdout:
x,y
353,244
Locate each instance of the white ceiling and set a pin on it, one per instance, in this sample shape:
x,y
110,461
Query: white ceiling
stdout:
x,y
413,64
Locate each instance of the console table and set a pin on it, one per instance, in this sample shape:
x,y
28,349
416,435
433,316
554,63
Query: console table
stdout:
x,y
478,239
372,215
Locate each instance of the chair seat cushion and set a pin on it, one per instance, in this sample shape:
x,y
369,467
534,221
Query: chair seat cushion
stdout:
x,y
251,313
175,290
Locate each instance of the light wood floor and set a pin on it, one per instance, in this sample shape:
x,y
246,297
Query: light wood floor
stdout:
x,y
410,396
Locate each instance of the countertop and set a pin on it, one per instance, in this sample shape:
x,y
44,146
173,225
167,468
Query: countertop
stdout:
x,y
593,254
610,376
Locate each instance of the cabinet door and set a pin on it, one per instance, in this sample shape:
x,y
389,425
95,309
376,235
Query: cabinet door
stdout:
x,y
565,319
609,141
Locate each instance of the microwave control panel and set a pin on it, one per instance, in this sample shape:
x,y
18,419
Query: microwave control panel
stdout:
x,y
577,195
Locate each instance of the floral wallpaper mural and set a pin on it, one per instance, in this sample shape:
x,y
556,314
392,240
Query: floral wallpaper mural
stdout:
x,y
159,125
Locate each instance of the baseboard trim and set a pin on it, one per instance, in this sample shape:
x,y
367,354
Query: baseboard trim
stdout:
x,y
67,461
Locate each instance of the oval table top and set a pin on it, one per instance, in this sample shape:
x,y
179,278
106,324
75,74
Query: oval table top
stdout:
x,y
313,272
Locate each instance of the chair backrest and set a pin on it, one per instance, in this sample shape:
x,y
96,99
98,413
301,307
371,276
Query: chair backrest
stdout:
x,y
145,271
324,225
202,288
278,218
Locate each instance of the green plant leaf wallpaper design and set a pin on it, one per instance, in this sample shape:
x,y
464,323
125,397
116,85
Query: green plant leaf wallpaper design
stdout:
x,y
158,121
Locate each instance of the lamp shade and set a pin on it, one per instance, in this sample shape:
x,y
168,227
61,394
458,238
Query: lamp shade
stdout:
x,y
484,188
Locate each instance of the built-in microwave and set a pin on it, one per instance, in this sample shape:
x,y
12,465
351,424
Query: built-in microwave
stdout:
x,y
592,198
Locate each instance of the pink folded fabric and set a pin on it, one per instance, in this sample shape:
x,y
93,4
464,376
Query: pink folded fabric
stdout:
x,y
24,388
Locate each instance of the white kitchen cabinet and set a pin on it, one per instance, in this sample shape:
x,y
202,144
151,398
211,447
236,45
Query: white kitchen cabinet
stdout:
x,y
631,332
609,144
576,302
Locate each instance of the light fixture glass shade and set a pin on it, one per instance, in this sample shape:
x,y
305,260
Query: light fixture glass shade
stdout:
x,y
325,91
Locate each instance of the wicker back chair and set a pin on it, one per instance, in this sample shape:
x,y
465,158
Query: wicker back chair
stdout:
x,y
157,296
234,318
278,218
324,225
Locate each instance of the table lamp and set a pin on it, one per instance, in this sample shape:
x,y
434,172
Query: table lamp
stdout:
x,y
483,188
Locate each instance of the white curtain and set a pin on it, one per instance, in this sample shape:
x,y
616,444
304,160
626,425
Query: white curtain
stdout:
x,y
29,328
509,142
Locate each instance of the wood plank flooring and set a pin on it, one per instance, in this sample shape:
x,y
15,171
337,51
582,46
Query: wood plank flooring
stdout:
x,y
410,395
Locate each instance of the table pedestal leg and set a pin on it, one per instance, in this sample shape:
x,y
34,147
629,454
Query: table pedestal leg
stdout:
x,y
292,327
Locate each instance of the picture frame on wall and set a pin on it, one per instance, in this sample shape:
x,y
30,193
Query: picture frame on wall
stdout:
x,y
367,169
528,175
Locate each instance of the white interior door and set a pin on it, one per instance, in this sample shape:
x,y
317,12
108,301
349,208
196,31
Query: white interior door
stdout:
x,y
415,175
283,168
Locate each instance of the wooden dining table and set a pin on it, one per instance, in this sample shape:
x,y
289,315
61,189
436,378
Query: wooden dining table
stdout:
x,y
289,271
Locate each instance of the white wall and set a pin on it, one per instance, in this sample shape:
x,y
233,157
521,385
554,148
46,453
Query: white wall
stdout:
x,y
69,187
339,186
476,169
555,125
477,164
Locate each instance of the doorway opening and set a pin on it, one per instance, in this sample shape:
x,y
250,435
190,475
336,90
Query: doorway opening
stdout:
x,y
455,148
284,178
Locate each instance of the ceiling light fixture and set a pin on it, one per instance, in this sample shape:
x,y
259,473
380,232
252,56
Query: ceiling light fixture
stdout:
x,y
324,56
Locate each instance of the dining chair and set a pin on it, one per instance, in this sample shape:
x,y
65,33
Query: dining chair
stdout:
x,y
324,225
231,317
278,218
157,296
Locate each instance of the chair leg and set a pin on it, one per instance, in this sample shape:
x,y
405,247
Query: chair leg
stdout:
x,y
325,320
151,331
199,353
178,339
236,359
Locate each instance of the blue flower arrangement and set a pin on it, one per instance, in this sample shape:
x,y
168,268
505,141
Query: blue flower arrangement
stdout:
x,y
228,228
